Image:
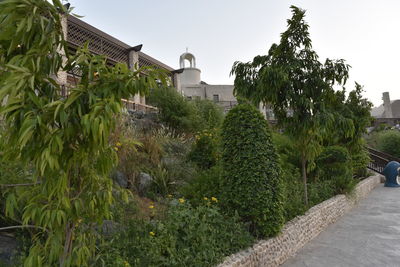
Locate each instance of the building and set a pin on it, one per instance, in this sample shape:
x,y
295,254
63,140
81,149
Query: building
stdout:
x,y
186,79
78,32
188,82
388,112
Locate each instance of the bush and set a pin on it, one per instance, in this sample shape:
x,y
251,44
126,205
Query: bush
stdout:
x,y
321,191
175,111
210,113
187,236
293,201
389,142
185,116
251,181
334,164
204,151
206,183
359,163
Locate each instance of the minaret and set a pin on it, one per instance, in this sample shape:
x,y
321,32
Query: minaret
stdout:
x,y
387,105
190,74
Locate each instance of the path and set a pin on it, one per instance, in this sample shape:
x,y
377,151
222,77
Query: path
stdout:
x,y
368,235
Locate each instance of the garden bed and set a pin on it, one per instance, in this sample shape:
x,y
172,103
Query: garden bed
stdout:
x,y
301,230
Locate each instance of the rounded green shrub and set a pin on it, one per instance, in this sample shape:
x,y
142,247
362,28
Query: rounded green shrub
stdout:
x,y
389,142
251,182
334,164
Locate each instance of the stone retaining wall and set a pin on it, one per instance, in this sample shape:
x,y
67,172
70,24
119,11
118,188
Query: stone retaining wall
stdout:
x,y
302,229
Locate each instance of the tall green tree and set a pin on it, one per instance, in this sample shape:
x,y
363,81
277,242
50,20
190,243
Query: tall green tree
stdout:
x,y
68,193
293,80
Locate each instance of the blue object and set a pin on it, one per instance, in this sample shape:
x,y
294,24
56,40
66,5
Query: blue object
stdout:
x,y
391,173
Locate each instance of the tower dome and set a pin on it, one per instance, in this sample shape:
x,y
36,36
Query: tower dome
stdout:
x,y
189,57
190,74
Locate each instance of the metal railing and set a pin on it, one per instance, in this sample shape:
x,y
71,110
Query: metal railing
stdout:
x,y
133,106
379,160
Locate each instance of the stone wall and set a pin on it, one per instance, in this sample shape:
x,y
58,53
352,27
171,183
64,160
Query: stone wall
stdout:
x,y
300,230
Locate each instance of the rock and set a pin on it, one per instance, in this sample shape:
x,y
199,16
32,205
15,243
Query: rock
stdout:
x,y
8,249
120,178
109,227
144,182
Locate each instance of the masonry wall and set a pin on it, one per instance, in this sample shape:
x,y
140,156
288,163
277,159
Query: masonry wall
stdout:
x,y
300,230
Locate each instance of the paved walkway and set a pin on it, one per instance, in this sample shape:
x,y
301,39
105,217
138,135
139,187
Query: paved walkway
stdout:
x,y
368,235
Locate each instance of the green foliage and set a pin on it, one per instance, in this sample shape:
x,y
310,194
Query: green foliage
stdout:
x,y
334,164
296,84
211,114
389,142
187,236
65,139
206,183
321,191
183,115
251,181
359,163
175,111
293,191
204,151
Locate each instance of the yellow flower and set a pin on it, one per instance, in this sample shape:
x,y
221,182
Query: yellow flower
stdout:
x,y
169,196
118,144
116,148
181,200
151,206
126,264
152,233
214,199
205,198
79,221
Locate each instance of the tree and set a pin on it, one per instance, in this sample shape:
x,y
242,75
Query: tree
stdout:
x,y
175,111
69,192
251,183
296,84
351,117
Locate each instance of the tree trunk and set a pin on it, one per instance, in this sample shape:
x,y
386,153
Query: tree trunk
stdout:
x,y
68,243
304,171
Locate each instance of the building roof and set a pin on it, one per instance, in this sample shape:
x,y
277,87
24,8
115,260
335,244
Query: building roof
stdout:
x,y
102,43
379,112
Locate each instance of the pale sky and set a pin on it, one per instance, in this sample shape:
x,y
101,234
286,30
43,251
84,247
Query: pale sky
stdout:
x,y
365,33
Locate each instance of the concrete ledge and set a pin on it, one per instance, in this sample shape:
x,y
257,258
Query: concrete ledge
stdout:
x,y
302,229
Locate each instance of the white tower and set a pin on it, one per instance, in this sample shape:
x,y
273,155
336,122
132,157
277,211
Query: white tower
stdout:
x,y
190,74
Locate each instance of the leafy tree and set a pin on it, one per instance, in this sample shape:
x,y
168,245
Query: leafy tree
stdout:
x,y
175,111
334,164
65,139
210,113
251,182
293,80
389,142
351,118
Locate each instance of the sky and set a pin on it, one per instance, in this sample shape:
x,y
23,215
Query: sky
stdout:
x,y
365,33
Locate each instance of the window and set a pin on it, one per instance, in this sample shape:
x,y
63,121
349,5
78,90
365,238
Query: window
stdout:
x,y
216,98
